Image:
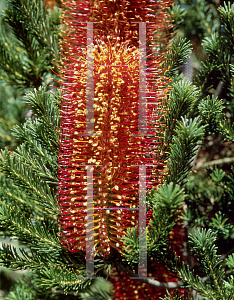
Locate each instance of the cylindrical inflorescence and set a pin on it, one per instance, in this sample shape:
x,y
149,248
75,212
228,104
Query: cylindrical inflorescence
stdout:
x,y
114,94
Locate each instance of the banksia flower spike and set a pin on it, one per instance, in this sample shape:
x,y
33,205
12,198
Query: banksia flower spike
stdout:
x,y
109,144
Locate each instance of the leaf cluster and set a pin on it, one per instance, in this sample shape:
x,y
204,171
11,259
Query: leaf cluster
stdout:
x,y
216,73
165,204
183,147
199,18
27,55
214,285
29,208
212,207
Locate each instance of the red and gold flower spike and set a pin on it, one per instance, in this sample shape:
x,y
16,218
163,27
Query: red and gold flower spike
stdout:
x,y
116,149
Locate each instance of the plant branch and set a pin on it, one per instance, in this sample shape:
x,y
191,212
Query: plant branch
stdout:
x,y
155,283
225,160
